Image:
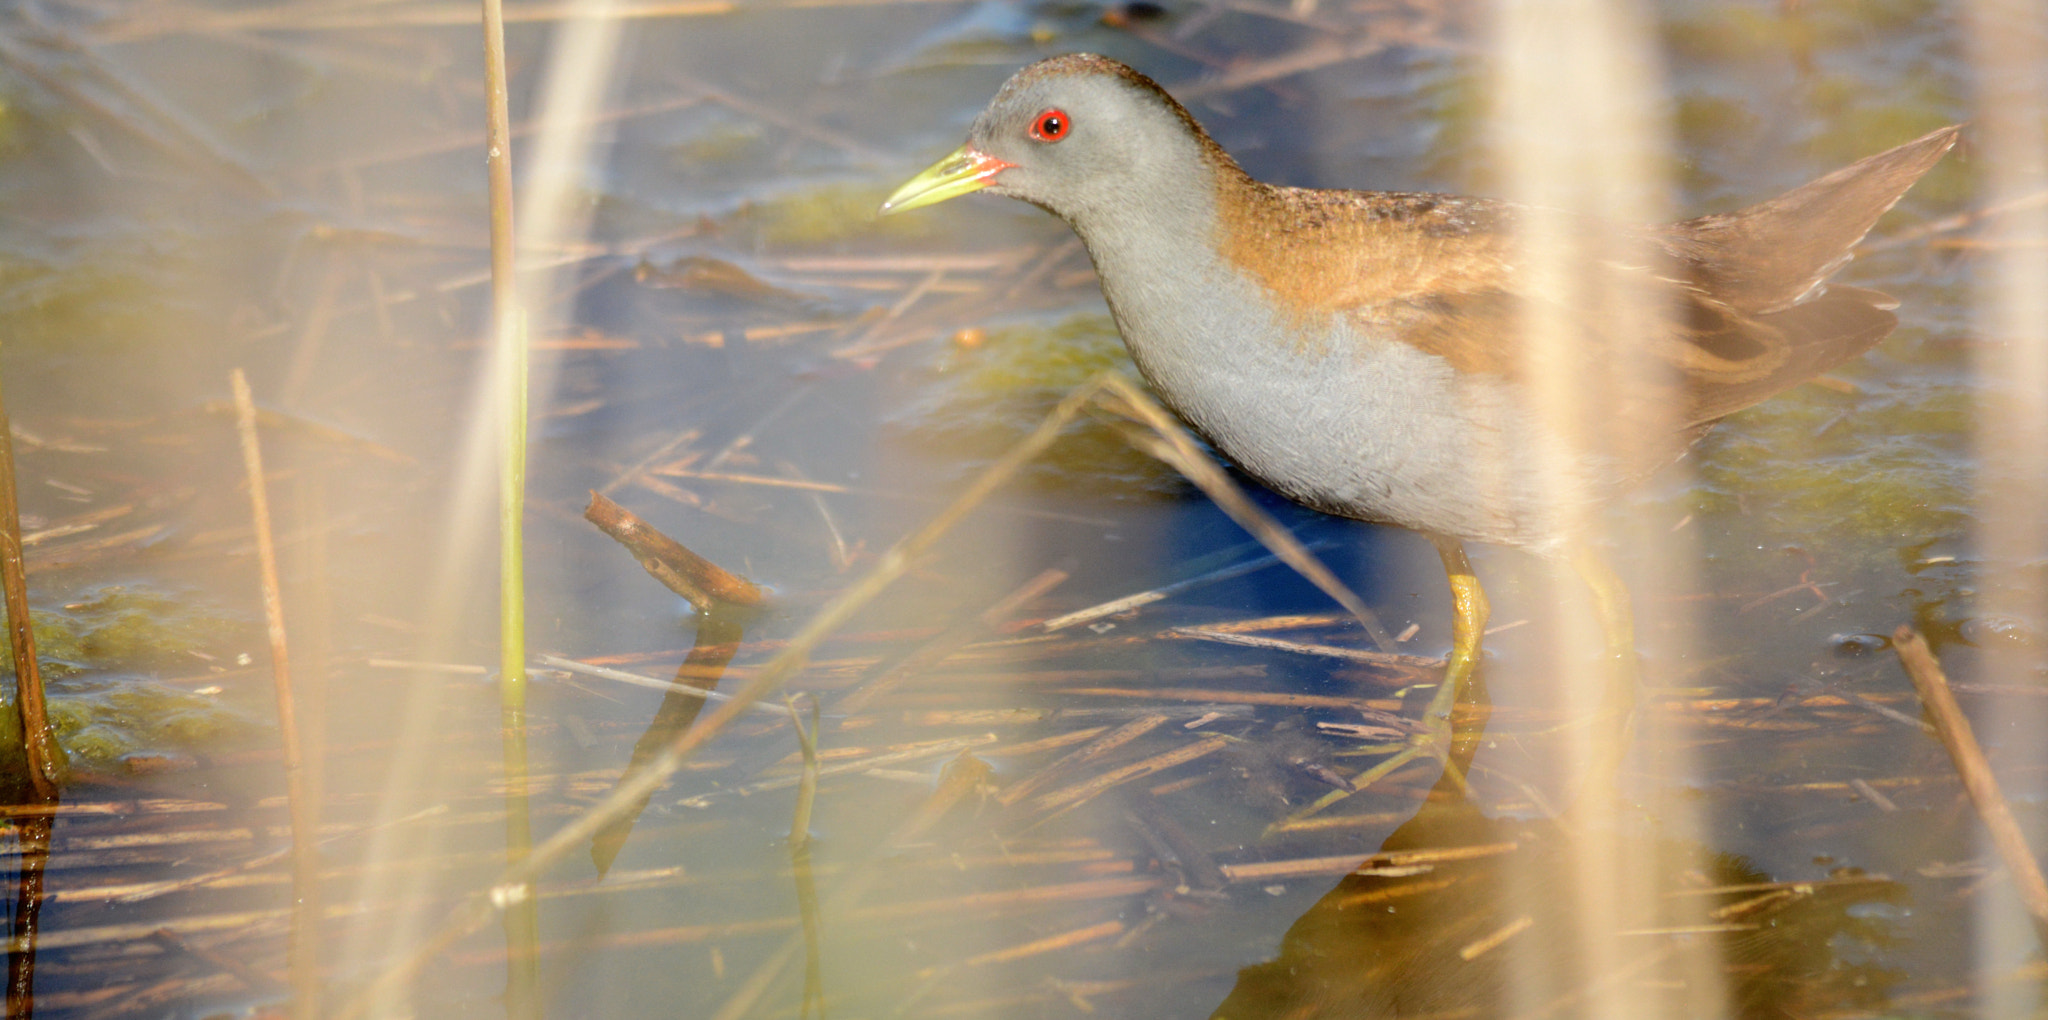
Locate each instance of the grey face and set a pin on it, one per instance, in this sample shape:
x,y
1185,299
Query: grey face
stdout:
x,y
1090,140
1080,142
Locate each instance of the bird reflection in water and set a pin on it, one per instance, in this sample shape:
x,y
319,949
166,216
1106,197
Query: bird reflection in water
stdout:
x,y
1504,934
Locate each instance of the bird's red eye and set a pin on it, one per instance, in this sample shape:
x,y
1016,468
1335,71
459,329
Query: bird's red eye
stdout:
x,y
1051,126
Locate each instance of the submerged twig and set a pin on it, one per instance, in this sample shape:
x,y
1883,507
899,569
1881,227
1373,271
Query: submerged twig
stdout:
x,y
153,890
305,946
723,601
1978,779
954,638
704,584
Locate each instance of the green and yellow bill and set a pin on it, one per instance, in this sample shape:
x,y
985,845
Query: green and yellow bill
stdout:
x,y
962,171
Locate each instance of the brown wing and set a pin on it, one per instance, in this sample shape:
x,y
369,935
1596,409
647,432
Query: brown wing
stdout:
x,y
1672,357
1728,310
1772,255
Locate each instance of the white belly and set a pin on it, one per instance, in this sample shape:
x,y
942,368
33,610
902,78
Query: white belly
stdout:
x,y
1364,428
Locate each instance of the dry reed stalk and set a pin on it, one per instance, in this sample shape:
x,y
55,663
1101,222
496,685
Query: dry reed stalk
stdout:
x,y
867,345
1336,823
1005,260
1414,664
1387,863
1052,743
1020,678
1950,224
1048,944
305,428
1080,793
442,146
1321,52
951,640
680,439
1222,697
709,668
305,939
77,554
1177,448
1291,621
923,752
151,890
1982,784
1476,949
45,759
1751,887
256,980
77,524
344,17
1145,598
1359,783
1117,738
772,114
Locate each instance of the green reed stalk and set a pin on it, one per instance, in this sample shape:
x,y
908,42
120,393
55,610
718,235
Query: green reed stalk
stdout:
x,y
522,915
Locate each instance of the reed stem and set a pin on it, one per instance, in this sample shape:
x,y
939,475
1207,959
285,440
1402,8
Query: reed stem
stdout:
x,y
522,914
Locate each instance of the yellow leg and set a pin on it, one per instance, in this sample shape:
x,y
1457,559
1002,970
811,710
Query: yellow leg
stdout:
x,y
1618,626
1469,610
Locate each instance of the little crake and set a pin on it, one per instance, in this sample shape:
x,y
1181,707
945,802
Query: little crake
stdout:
x,y
1365,353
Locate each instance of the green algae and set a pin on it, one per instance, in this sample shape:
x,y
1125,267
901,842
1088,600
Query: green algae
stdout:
x,y
102,719
100,709
116,627
978,401
1853,476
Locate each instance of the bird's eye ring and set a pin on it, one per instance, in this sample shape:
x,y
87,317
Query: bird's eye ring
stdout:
x,y
1050,126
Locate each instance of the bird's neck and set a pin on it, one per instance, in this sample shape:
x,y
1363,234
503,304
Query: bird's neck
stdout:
x,y
1198,326
1157,250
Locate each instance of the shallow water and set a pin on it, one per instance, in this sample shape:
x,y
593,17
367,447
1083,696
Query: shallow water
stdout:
x,y
741,354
